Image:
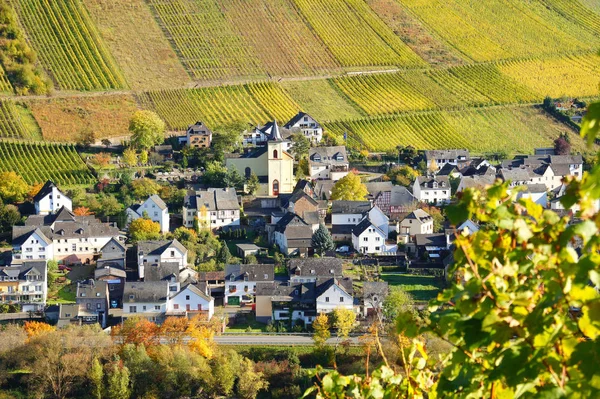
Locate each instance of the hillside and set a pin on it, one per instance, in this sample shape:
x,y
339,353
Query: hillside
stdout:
x,y
366,66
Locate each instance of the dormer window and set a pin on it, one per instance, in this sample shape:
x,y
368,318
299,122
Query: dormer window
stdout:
x,y
317,158
232,278
331,271
245,277
82,294
97,294
266,276
131,296
312,272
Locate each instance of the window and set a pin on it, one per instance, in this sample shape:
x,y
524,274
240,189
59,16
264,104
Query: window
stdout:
x,y
144,307
172,254
365,238
266,276
133,309
326,299
67,314
377,238
88,306
176,306
275,154
341,299
131,296
98,306
156,307
187,297
275,187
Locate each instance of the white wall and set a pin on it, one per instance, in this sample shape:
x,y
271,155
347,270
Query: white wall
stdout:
x,y
346,218
370,241
34,249
335,295
180,302
239,289
52,203
150,307
413,226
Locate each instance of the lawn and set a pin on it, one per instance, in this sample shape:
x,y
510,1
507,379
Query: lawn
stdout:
x,y
422,288
249,323
64,292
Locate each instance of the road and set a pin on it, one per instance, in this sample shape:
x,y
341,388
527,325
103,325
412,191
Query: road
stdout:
x,y
277,340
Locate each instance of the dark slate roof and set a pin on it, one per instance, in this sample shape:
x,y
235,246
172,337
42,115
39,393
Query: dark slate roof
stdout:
x,y
109,271
316,267
566,159
288,221
161,271
328,155
293,292
44,191
446,154
324,284
477,181
432,240
213,199
81,227
113,245
254,272
352,207
199,128
374,188
375,288
447,170
427,183
419,215
535,188
515,174
401,197
363,226
256,153
341,229
297,118
92,289
158,247
299,194
145,291
21,234
37,267
303,185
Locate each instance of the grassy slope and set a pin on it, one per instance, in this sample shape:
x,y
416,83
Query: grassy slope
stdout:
x,y
278,37
63,119
138,44
319,99
422,288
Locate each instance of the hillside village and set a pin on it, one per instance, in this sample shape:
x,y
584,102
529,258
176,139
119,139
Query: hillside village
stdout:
x,y
301,231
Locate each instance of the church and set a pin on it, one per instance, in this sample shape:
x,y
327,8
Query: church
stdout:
x,y
272,163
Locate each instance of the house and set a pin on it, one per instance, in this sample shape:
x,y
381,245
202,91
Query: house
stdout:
x,y
433,190
480,182
345,215
199,136
401,202
310,269
192,300
373,295
68,314
328,163
261,135
293,234
165,151
154,208
300,303
244,250
160,251
367,238
305,123
436,159
25,285
323,189
380,194
115,277
50,199
536,192
417,222
273,165
241,280
549,170
61,236
300,203
449,170
147,299
114,252
92,298
431,246
214,208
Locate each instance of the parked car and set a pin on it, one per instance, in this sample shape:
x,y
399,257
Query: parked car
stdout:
x,y
343,248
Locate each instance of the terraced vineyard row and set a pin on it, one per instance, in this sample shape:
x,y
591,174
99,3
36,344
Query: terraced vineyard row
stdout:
x,y
252,103
13,125
39,162
510,129
500,29
5,86
69,46
506,82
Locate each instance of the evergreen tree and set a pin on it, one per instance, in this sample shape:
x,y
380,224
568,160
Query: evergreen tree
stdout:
x,y
118,383
252,184
223,256
322,241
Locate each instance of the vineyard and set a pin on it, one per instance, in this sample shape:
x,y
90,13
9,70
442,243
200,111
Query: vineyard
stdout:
x,y
495,29
355,35
69,46
37,162
138,44
253,103
5,86
509,129
16,122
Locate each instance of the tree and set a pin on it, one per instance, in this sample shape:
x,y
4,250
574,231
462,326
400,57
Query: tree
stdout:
x,y
143,157
9,216
109,205
234,179
87,137
82,211
96,377
224,368
147,129
396,303
252,184
223,256
436,214
102,159
227,138
36,328
562,146
215,174
250,260
250,382
12,187
300,146
343,321
144,229
321,328
349,188
34,189
322,240
137,331
130,157
117,386
143,188
402,175
106,142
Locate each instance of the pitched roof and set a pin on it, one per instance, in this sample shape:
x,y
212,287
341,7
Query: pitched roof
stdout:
x,y
363,226
158,247
161,271
535,188
401,197
419,215
374,188
195,290
446,154
428,183
316,267
199,128
158,201
21,234
477,181
206,276
297,118
515,174
566,159
37,267
447,170
352,207
433,240
214,199
255,272
145,291
323,285
328,155
290,220
92,289
109,271
113,245
44,191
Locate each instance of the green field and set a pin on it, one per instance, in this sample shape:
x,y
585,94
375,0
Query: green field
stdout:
x,y
17,122
69,45
39,162
422,288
